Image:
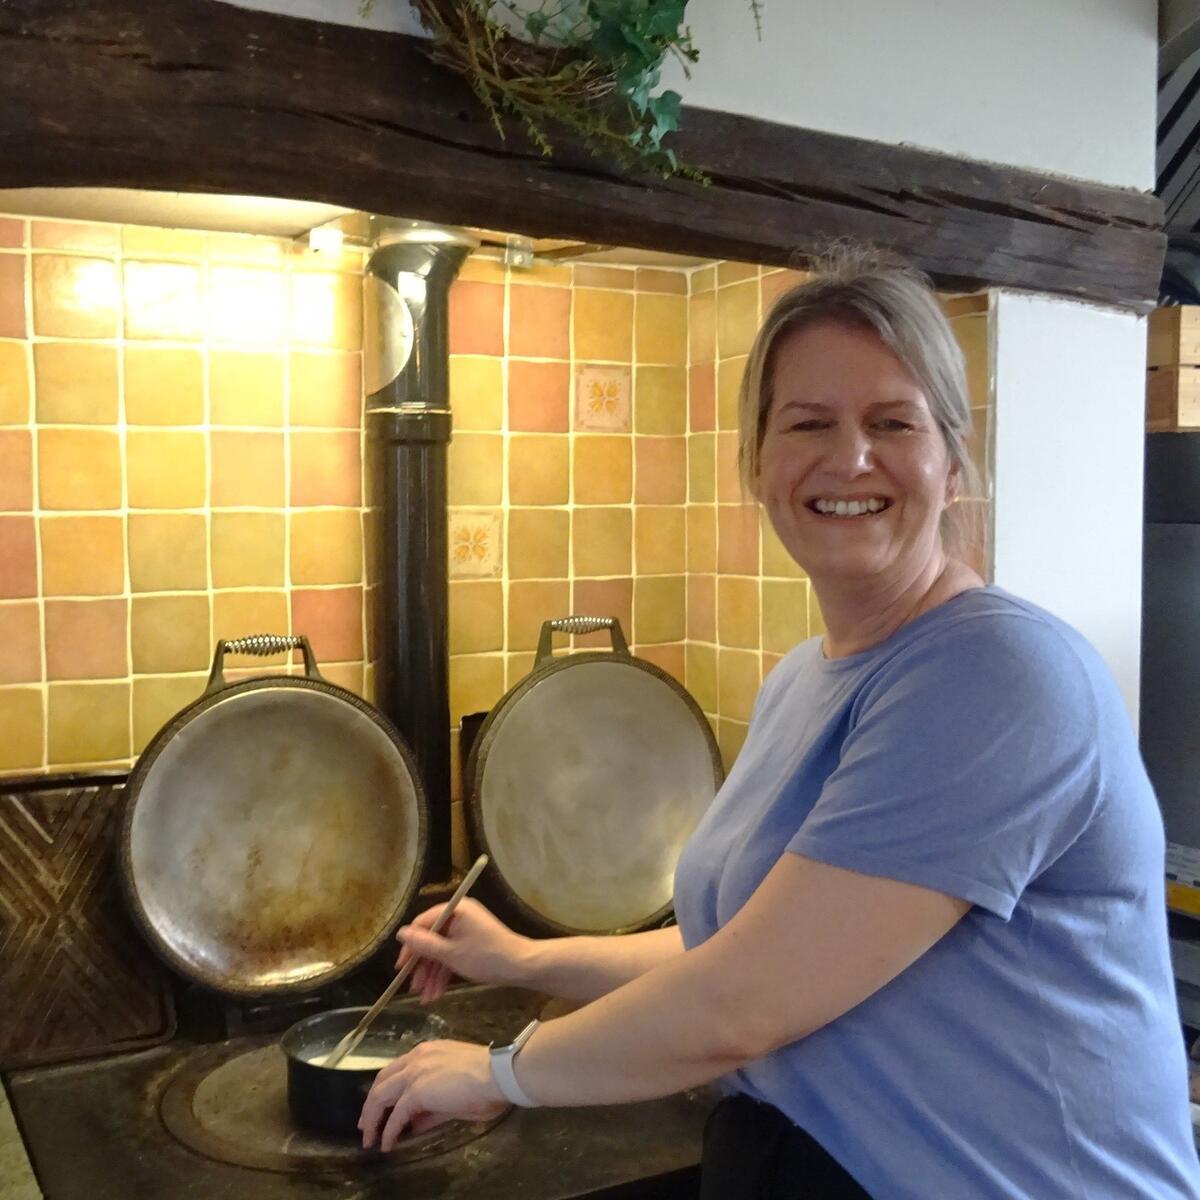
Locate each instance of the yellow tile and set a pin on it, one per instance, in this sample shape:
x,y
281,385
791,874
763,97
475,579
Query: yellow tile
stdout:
x,y
476,468
326,310
733,272
240,247
660,400
603,325
164,386
603,469
153,242
476,683
82,556
326,546
532,602
731,736
247,469
703,279
247,549
650,279
972,334
737,612
241,614
541,271
88,722
476,391
601,276
785,613
659,609
729,383
701,537
538,469
537,543
157,699
702,608
662,332
516,667
737,682
660,539
76,383
325,390
737,318
164,300
169,633
602,541
22,721
246,305
702,328
702,468
349,675
167,468
74,235
75,297
483,268
246,387
168,552
776,561
79,468
476,616
700,668
14,384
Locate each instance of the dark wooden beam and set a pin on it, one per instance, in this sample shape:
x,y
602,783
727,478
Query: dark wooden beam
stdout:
x,y
195,95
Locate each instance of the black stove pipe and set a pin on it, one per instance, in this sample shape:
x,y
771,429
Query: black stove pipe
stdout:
x,y
406,368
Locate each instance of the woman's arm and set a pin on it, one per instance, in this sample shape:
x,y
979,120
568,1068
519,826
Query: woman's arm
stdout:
x,y
584,968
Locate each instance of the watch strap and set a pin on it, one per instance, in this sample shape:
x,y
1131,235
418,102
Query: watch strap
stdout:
x,y
502,1059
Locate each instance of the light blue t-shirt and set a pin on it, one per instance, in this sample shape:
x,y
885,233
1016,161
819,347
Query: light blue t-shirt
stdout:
x,y
1034,1053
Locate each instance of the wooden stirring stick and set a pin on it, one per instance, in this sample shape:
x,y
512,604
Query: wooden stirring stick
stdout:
x,y
351,1040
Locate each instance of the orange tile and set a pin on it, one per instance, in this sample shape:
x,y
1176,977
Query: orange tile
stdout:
x,y
164,300
660,544
81,556
775,283
539,322
20,643
332,620
74,235
16,470
247,549
702,468
476,392
531,602
702,537
538,469
738,606
660,472
702,608
669,658
476,683
153,242
603,598
325,389
702,398
76,383
480,268
602,540
326,469
170,633
157,699
650,279
734,272
660,400
476,318
74,297
737,539
737,318
14,384
603,469
784,613
241,614
729,385
87,639
326,546
729,481
348,675
168,552
476,617
79,468
12,295
603,325
164,386
246,305
475,468
659,609
589,275
88,722
246,387
538,397
661,328
700,667
23,724
702,328
247,470
166,468
538,543
12,233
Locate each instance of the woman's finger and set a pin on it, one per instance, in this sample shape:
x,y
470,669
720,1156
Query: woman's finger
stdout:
x,y
382,1096
398,1119
425,1121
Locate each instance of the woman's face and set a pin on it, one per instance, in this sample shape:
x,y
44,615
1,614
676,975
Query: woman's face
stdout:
x,y
854,473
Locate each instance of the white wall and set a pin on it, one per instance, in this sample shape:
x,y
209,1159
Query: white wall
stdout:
x,y
1069,392
1066,86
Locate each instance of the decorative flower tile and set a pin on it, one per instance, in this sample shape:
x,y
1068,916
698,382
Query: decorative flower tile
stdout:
x,y
602,399
475,543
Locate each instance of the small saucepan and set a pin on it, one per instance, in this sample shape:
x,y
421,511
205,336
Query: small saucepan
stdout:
x,y
330,1100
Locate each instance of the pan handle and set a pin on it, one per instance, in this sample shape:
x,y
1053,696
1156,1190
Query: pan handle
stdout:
x,y
575,625
261,645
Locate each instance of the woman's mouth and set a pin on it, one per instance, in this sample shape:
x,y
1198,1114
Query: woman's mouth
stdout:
x,y
867,507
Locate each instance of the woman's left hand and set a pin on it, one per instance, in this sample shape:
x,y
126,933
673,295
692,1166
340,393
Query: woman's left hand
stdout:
x,y
433,1083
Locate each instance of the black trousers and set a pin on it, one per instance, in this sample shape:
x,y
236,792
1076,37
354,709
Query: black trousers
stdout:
x,y
753,1152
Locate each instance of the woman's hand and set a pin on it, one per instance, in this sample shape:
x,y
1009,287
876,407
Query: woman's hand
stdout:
x,y
473,945
433,1083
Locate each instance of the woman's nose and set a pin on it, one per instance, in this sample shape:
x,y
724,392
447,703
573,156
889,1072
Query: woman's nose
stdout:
x,y
851,452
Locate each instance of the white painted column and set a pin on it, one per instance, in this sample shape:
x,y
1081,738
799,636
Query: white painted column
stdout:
x,y
1069,392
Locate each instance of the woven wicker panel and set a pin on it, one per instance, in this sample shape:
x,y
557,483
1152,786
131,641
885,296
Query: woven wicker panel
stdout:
x,y
76,979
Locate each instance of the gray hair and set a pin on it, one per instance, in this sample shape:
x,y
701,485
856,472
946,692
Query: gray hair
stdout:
x,y
899,305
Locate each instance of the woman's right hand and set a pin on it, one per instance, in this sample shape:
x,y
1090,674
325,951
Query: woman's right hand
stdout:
x,y
474,945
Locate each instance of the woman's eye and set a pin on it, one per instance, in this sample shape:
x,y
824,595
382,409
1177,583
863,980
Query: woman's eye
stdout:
x,y
893,425
807,426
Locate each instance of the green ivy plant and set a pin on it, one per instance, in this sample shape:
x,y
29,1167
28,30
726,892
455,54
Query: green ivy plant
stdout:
x,y
590,66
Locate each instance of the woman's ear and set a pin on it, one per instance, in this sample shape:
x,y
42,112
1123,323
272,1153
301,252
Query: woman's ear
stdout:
x,y
953,484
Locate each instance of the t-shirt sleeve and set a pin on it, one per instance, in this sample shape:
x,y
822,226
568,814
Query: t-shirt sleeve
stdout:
x,y
970,765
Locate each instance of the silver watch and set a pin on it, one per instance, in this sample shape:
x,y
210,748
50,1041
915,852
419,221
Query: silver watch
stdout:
x,y
502,1059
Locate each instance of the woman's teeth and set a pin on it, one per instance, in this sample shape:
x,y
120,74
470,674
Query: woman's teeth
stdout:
x,y
849,508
